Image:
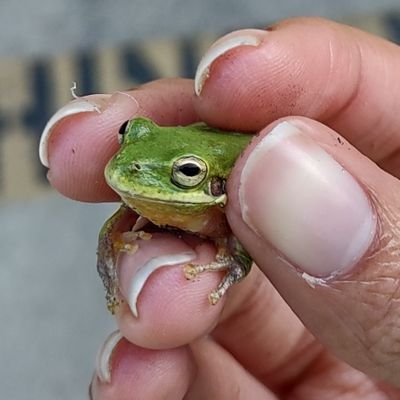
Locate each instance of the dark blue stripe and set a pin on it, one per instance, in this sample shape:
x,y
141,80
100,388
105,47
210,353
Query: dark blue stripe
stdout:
x,y
42,107
392,22
3,127
190,58
3,123
135,67
87,79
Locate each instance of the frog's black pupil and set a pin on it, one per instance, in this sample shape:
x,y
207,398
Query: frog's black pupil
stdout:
x,y
189,169
123,128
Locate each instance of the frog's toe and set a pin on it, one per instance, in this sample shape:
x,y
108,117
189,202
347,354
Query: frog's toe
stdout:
x,y
233,276
214,297
113,305
190,271
235,273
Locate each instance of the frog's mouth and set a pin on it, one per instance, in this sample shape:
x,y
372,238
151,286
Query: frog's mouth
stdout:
x,y
190,217
129,197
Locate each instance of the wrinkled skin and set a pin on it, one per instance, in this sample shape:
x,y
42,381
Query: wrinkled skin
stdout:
x,y
288,340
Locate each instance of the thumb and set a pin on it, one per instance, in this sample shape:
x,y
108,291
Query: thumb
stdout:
x,y
322,222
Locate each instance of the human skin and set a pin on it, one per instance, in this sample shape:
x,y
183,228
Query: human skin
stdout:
x,y
316,321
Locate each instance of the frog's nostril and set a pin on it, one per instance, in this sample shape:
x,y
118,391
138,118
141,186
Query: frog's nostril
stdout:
x,y
135,167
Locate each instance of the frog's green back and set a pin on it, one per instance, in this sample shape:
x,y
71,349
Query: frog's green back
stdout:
x,y
219,148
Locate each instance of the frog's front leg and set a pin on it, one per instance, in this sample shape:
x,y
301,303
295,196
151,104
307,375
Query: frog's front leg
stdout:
x,y
231,257
109,244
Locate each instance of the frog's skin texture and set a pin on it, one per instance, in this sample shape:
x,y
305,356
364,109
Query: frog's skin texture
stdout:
x,y
175,178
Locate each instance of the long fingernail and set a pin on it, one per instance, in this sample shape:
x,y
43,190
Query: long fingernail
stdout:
x,y
135,283
244,37
90,390
93,103
104,356
88,104
303,202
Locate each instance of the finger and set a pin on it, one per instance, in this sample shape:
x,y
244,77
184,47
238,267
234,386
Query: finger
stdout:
x,y
309,67
125,371
220,376
81,138
255,323
163,309
320,220
330,378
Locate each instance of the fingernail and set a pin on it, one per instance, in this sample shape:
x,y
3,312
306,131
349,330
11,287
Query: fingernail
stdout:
x,y
89,104
104,355
244,37
90,390
93,103
304,203
131,286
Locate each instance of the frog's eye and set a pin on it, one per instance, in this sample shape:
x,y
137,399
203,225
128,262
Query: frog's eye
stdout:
x,y
121,132
188,172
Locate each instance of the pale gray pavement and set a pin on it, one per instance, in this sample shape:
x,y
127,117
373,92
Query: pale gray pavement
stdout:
x,y
31,27
51,303
52,311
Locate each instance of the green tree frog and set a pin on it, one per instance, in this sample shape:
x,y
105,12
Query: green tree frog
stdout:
x,y
173,178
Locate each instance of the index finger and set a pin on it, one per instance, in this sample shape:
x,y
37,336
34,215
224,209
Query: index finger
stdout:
x,y
336,74
82,136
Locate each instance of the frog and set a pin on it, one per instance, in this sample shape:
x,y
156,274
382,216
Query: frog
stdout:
x,y
174,178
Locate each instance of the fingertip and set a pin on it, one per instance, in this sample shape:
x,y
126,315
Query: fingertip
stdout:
x,y
172,310
81,138
310,67
310,192
244,37
132,369
324,243
93,103
80,145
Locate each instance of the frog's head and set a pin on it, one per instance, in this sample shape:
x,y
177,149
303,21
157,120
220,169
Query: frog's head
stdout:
x,y
174,167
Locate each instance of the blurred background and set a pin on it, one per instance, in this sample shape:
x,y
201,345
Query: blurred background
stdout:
x,y
52,309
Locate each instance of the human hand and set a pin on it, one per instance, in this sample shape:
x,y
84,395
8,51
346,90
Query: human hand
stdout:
x,y
314,203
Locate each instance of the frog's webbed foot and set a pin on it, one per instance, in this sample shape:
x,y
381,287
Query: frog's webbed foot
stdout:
x,y
231,257
109,244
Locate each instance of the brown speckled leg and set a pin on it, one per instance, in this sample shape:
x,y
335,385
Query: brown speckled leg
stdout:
x,y
231,257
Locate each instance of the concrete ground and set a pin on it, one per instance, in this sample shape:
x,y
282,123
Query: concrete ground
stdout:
x,y
31,27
